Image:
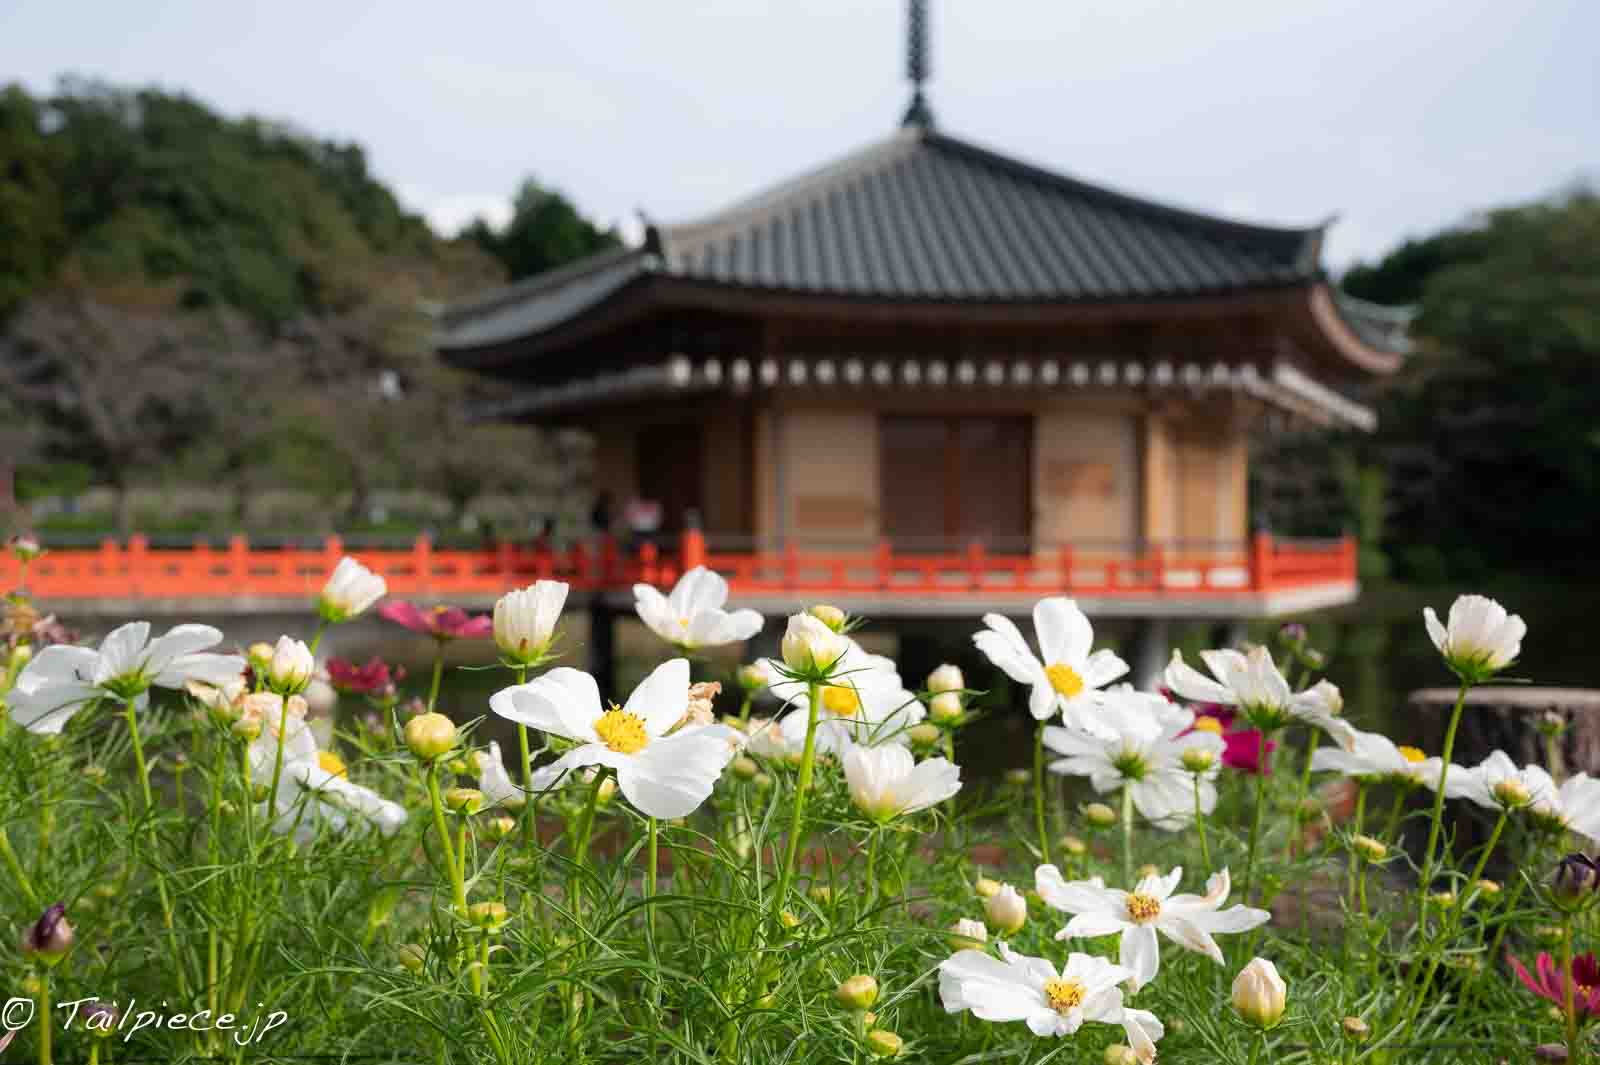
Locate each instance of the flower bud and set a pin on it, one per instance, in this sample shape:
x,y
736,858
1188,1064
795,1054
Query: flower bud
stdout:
x,y
350,590
859,992
789,920
430,735
412,957
946,679
754,677
1551,724
95,774
924,735
1487,888
1368,848
259,656
291,666
1355,1029
884,1044
1120,1054
985,887
464,800
1006,910
761,781
1099,815
946,709
608,791
1199,759
247,729
490,916
50,937
497,828
811,647
1511,793
1259,994
744,767
1074,846
1574,879
830,616
967,934
525,620
1442,899
822,895
1018,777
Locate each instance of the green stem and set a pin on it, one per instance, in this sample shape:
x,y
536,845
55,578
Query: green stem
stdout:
x,y
580,852
17,873
650,874
1200,825
277,761
1573,1046
1392,823
1127,835
1255,820
458,885
149,806
1038,792
438,671
1357,868
45,1023
808,757
1255,1048
872,865
744,709
529,806
1438,805
1488,849
1304,788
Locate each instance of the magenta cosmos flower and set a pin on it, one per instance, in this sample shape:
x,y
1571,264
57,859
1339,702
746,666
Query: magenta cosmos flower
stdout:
x,y
369,679
441,622
1549,985
1241,747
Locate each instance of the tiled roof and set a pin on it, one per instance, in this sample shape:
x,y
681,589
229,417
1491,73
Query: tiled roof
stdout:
x,y
921,216
925,216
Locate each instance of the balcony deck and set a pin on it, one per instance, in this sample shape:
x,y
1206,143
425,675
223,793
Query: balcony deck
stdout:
x,y
1267,577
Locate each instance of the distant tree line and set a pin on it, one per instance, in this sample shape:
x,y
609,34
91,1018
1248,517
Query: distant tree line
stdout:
x,y
189,297
1487,454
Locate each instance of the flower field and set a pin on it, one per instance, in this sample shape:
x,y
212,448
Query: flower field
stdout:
x,y
250,854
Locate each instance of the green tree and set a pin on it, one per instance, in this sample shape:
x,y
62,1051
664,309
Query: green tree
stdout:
x,y
545,231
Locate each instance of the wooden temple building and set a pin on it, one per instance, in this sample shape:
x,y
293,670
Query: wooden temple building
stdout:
x,y
927,377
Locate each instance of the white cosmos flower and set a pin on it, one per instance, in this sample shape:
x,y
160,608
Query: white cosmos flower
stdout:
x,y
525,620
663,776
62,679
1016,987
350,591
1140,747
1479,639
865,706
1252,682
494,782
1372,754
1499,783
1188,920
692,616
313,776
1066,676
887,781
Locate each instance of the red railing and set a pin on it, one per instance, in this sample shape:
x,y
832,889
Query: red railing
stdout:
x,y
139,572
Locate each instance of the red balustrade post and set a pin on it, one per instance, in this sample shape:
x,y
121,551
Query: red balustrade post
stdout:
x,y
1066,567
885,562
648,561
503,564
332,552
1261,561
1156,570
581,564
110,566
138,561
975,562
422,561
791,566
692,549
237,573
1349,560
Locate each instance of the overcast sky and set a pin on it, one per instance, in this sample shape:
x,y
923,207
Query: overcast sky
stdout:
x,y
1398,115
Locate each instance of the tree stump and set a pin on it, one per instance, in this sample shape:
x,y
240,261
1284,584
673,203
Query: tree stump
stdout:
x,y
1506,717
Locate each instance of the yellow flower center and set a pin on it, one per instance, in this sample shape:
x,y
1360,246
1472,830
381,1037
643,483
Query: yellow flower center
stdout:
x,y
621,731
1064,994
1142,909
331,763
1065,680
1207,723
1412,755
840,701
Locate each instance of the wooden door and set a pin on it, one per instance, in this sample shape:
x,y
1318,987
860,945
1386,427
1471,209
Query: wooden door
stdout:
x,y
949,480
670,464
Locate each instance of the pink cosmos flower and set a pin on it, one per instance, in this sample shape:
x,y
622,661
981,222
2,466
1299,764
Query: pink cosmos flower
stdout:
x,y
1241,748
1550,985
441,622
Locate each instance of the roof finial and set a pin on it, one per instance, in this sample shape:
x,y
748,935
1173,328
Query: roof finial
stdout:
x,y
918,66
